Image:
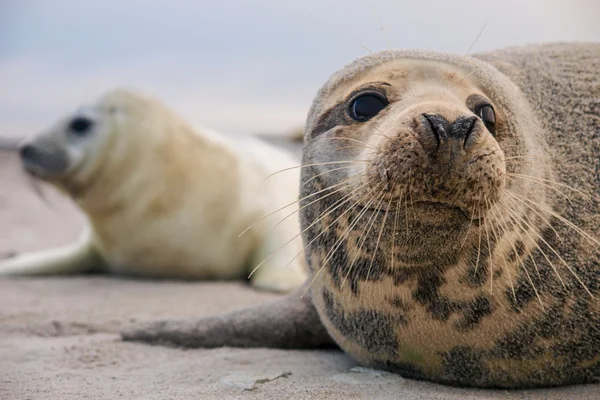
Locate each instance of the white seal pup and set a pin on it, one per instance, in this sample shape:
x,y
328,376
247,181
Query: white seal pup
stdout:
x,y
163,200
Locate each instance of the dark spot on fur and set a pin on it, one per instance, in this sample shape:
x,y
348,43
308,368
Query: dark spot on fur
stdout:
x,y
473,312
368,328
464,366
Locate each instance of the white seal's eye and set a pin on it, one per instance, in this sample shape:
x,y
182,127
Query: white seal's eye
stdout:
x,y
365,107
80,126
488,116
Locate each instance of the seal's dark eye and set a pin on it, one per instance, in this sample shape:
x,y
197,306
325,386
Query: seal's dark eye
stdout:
x,y
365,107
488,116
80,126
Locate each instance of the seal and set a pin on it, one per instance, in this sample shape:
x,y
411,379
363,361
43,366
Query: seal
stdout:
x,y
164,200
456,239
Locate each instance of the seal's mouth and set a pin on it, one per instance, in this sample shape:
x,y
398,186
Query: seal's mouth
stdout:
x,y
436,211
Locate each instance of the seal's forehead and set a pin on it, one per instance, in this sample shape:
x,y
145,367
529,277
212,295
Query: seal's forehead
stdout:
x,y
402,73
486,76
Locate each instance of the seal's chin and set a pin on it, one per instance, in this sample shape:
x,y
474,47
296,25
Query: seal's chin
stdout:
x,y
37,171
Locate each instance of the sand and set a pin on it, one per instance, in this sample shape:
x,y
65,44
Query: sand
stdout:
x,y
59,340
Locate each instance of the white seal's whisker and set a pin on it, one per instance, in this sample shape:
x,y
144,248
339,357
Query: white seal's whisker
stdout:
x,y
506,268
508,176
387,210
327,172
365,234
478,241
469,51
381,133
369,50
577,229
314,201
557,254
514,201
37,188
338,242
345,199
521,219
364,144
394,232
387,39
468,228
516,253
315,164
345,182
550,182
490,252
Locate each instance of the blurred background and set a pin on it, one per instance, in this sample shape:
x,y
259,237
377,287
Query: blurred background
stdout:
x,y
238,66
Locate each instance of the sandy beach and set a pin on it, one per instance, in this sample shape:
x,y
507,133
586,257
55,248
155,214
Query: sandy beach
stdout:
x,y
59,336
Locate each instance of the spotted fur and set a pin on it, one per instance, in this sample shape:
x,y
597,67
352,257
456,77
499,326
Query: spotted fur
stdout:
x,y
467,267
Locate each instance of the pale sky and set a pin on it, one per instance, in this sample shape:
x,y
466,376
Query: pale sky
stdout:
x,y
238,66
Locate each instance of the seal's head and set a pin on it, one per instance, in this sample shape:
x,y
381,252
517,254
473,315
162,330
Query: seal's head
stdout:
x,y
93,142
422,135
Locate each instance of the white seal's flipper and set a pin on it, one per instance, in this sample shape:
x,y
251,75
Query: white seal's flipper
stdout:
x,y
291,322
78,257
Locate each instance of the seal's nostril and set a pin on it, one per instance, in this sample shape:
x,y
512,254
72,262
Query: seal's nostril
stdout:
x,y
27,152
439,126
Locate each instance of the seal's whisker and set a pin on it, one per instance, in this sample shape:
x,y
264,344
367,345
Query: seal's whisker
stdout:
x,y
478,241
549,182
538,246
327,172
319,199
394,233
468,229
387,39
387,210
350,147
577,229
369,50
406,214
365,144
490,252
550,225
344,234
345,199
506,268
343,184
469,50
410,193
366,231
518,256
316,164
37,189
557,254
381,133
508,176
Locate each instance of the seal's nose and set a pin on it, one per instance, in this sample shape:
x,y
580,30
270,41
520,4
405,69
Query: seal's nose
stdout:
x,y
454,142
444,131
28,153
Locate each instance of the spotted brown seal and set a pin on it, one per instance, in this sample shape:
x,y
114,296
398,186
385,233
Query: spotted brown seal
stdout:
x,y
455,238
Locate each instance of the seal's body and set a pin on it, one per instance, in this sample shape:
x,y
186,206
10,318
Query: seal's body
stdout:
x,y
456,238
163,200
